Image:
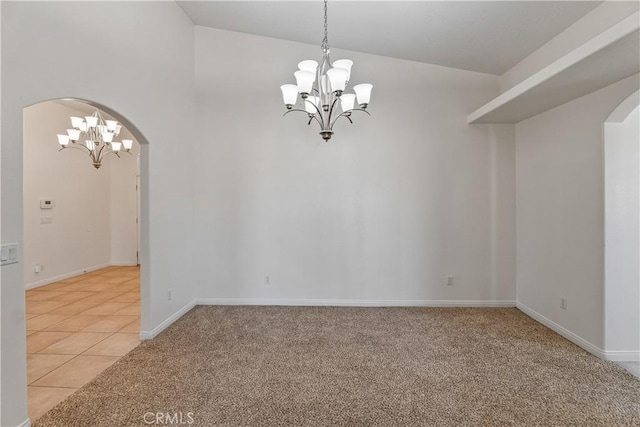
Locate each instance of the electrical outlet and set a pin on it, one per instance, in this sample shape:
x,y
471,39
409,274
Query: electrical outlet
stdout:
x,y
267,280
169,294
449,280
37,268
563,303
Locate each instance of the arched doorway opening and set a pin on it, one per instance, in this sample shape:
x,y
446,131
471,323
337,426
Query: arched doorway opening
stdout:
x,y
622,233
84,236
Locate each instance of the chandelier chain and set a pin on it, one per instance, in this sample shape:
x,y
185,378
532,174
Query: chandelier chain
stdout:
x,y
325,41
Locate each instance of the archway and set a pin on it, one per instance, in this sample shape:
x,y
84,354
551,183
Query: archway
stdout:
x,y
622,231
55,114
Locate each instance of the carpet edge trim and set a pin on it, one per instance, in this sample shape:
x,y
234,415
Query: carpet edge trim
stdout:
x,y
147,335
355,303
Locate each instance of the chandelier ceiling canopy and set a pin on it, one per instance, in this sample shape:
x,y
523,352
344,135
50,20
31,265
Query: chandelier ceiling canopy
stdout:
x,y
98,135
322,88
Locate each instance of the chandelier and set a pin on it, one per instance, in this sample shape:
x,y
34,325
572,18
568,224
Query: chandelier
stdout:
x,y
321,87
98,135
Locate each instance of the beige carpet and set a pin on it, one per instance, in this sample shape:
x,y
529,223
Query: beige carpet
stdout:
x,y
325,366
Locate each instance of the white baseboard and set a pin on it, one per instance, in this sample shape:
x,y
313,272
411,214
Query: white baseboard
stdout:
x,y
148,335
355,303
123,263
54,279
611,355
622,355
25,423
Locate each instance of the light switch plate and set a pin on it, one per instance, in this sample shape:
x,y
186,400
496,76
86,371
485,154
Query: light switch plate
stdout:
x,y
9,254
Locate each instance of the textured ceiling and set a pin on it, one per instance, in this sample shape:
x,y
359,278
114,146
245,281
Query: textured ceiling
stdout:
x,y
484,36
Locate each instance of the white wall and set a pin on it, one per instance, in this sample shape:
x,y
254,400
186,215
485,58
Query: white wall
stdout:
x,y
560,211
122,171
147,77
622,234
2,241
381,213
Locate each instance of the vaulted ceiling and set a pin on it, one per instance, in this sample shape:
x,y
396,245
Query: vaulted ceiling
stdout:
x,y
483,36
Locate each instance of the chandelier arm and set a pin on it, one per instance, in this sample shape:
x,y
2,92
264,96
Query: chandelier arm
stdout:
x,y
104,145
314,116
319,120
304,111
361,109
294,109
347,114
319,117
333,104
343,114
314,106
77,147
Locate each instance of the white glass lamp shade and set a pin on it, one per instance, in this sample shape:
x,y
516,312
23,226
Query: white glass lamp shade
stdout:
x,y
107,136
309,104
127,143
118,129
102,128
92,121
74,134
63,140
363,92
75,122
304,80
337,78
308,65
344,64
116,146
90,145
289,94
83,126
111,125
346,101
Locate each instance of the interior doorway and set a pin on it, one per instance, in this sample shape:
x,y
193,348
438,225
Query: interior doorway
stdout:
x,y
622,233
82,226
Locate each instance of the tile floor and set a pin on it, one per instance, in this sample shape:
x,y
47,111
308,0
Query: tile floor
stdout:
x,y
76,328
